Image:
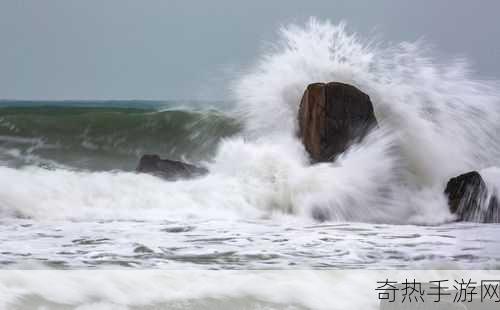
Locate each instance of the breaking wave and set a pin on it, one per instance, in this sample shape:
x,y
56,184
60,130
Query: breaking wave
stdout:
x,y
108,138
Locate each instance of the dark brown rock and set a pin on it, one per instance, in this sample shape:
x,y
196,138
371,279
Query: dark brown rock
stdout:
x,y
468,198
333,116
168,169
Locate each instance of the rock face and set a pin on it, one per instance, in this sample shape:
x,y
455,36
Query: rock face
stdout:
x,y
469,199
168,169
331,117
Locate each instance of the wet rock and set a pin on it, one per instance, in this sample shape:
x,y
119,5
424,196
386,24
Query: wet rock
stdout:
x,y
469,199
333,116
169,169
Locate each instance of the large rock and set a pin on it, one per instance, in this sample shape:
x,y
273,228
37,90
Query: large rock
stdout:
x,y
469,199
168,169
333,116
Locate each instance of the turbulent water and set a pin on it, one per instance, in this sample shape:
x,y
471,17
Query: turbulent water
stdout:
x,y
69,196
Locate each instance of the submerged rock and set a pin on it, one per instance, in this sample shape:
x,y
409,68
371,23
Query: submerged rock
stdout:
x,y
168,169
469,199
331,117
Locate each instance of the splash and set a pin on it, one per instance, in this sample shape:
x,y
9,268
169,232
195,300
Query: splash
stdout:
x,y
436,120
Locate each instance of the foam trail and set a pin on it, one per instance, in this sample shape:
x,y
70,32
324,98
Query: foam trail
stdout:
x,y
61,194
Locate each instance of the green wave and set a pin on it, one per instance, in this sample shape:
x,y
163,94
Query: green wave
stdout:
x,y
108,138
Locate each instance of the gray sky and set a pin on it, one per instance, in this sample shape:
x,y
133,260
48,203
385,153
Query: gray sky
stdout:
x,y
186,49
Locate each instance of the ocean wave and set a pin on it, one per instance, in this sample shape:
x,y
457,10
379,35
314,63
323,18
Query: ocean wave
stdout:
x,y
108,138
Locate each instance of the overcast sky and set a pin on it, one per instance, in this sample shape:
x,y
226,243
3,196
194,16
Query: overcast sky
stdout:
x,y
186,49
